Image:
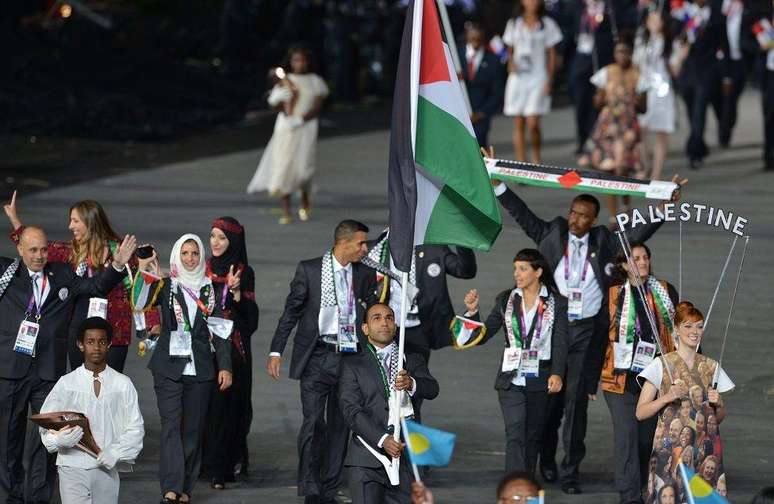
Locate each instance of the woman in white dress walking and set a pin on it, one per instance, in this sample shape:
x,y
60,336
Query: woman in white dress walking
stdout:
x,y
531,38
288,163
652,54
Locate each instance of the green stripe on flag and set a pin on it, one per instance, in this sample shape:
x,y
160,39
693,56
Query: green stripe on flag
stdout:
x,y
466,212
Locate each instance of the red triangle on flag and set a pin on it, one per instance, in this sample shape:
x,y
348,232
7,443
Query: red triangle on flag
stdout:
x,y
570,179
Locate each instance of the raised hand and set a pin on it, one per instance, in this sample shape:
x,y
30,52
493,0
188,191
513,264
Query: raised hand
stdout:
x,y
125,251
471,301
10,212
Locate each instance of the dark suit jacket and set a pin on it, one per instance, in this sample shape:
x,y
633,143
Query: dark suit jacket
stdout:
x,y
302,307
362,401
625,13
702,66
551,238
172,367
51,346
485,90
556,366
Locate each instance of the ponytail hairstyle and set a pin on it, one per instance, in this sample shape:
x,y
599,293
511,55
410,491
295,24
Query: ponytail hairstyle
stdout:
x,y
537,261
686,311
99,234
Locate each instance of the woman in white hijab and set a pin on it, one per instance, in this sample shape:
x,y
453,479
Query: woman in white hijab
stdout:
x,y
192,351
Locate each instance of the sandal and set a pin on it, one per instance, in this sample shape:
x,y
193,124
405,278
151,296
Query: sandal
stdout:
x,y
218,484
168,500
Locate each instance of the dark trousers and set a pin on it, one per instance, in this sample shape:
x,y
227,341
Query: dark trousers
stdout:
x,y
182,407
15,398
524,414
731,100
698,95
481,130
582,93
633,444
368,485
323,438
116,357
767,92
228,423
572,403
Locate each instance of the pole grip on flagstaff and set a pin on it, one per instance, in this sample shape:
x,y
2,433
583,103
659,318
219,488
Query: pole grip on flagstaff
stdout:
x,y
452,43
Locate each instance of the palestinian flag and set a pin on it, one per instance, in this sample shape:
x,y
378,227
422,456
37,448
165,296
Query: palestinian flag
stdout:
x,y
439,189
464,330
145,287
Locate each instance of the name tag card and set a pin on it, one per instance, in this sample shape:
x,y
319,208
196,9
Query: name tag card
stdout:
x,y
347,338
643,355
97,308
180,344
574,304
530,364
26,337
511,359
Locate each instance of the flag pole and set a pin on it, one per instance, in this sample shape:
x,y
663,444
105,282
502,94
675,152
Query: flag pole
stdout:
x,y
414,467
452,43
730,314
404,278
720,280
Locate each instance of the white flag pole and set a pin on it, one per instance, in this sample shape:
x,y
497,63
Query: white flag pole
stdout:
x,y
452,43
401,344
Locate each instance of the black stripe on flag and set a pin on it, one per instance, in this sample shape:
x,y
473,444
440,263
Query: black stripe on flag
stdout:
x,y
402,183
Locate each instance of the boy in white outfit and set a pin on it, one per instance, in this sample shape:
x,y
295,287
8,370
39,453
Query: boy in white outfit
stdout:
x,y
109,401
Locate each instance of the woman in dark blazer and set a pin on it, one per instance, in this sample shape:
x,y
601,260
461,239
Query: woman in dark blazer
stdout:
x,y
534,317
183,365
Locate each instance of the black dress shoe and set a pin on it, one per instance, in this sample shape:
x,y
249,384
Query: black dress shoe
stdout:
x,y
572,489
548,472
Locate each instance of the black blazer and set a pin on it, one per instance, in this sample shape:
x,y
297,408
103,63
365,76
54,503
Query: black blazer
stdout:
x,y
485,90
702,65
362,401
559,342
51,346
302,307
551,238
206,366
625,13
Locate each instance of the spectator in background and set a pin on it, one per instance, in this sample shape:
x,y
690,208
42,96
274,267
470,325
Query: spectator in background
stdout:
x,y
764,496
288,163
484,80
531,37
652,54
764,32
704,32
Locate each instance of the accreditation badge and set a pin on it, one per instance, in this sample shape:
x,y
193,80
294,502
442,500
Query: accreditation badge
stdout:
x,y
98,308
26,337
643,355
574,304
347,340
511,359
585,43
180,344
530,364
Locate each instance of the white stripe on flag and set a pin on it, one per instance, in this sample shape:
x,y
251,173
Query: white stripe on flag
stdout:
x,y
447,95
427,195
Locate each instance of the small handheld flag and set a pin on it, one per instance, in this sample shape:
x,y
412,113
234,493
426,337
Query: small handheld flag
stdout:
x,y
697,490
463,329
427,446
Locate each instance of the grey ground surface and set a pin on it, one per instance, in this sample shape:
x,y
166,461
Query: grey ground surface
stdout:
x,y
161,204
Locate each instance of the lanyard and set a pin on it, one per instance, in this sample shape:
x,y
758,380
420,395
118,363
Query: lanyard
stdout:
x,y
35,304
385,382
194,297
350,291
519,326
567,264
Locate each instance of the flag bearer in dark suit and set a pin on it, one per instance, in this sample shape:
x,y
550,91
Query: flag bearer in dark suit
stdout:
x,y
580,254
484,79
366,383
533,316
325,305
36,300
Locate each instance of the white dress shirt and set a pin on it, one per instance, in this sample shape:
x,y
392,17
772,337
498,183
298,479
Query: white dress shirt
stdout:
x,y
474,56
114,417
384,355
591,291
733,11
529,316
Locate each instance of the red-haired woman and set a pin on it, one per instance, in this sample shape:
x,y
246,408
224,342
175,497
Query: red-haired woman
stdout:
x,y
91,249
664,386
